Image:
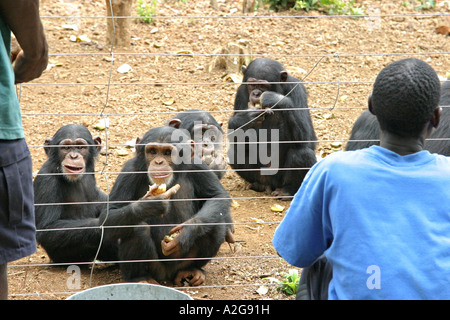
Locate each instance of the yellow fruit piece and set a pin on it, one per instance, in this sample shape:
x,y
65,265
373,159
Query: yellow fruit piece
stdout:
x,y
277,208
161,189
169,238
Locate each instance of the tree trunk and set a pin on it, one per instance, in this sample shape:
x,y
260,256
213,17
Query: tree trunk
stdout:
x,y
120,32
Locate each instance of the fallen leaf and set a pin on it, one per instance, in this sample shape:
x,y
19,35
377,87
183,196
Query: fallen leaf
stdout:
x,y
168,102
185,52
235,204
336,144
445,30
328,116
70,27
258,221
83,38
121,152
102,124
232,77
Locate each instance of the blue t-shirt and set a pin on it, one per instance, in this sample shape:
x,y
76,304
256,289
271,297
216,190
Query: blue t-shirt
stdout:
x,y
381,219
10,116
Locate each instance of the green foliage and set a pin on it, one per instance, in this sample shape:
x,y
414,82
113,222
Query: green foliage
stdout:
x,y
281,4
340,7
289,285
146,10
423,4
426,5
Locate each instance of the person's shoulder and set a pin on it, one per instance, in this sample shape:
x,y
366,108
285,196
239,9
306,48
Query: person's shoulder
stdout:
x,y
344,157
442,160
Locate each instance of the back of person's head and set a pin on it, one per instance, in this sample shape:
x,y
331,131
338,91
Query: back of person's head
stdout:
x,y
405,96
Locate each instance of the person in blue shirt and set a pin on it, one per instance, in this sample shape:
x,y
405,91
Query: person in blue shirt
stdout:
x,y
375,223
17,225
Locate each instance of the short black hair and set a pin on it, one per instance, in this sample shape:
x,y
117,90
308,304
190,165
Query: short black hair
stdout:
x,y
405,96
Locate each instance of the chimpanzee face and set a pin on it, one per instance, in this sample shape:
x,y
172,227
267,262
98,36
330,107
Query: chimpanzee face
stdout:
x,y
159,158
73,155
255,89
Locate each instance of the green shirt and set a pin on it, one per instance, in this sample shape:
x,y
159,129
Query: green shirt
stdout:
x,y
10,116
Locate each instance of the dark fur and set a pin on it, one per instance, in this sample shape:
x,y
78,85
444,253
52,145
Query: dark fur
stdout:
x,y
145,242
187,121
293,125
78,245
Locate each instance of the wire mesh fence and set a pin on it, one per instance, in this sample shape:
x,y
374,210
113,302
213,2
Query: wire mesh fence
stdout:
x,y
171,66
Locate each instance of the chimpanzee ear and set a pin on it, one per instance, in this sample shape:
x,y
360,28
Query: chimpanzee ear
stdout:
x,y
137,145
175,123
48,141
138,140
283,76
98,143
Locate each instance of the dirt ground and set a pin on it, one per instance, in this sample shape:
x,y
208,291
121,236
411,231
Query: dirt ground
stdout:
x,y
74,90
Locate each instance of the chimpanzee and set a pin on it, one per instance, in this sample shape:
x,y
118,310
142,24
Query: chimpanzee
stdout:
x,y
68,177
365,131
271,106
193,224
207,134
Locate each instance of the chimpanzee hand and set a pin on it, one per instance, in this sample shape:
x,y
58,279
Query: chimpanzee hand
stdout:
x,y
151,193
258,115
154,207
172,245
269,99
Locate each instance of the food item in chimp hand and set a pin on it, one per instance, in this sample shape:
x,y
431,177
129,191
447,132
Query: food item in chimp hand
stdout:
x,y
161,189
169,238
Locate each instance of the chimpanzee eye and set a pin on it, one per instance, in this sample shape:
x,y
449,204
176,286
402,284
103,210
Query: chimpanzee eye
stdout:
x,y
152,151
168,152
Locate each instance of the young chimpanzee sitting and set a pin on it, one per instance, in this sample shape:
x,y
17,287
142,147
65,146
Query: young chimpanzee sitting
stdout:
x,y
192,225
70,208
67,198
271,112
207,134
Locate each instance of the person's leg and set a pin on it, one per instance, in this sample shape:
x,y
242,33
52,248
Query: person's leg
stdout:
x,y
314,280
3,281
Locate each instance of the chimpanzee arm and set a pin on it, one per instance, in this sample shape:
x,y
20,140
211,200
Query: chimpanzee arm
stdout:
x,y
291,107
243,116
67,238
213,213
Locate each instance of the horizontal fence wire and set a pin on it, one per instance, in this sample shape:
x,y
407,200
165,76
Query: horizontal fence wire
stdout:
x,y
107,145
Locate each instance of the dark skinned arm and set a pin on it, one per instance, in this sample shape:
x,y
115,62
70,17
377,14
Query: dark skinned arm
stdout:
x,y
22,17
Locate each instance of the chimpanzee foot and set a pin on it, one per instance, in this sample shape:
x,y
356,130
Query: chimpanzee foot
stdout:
x,y
193,277
281,194
150,281
259,187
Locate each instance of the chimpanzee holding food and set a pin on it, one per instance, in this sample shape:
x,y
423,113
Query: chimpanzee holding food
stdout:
x,y
271,106
191,224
